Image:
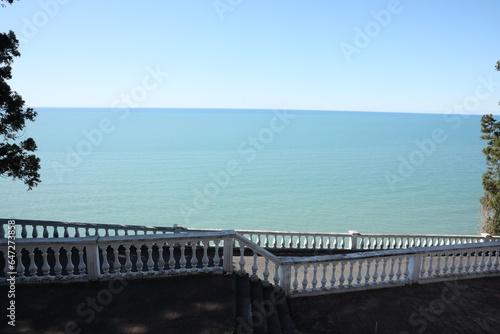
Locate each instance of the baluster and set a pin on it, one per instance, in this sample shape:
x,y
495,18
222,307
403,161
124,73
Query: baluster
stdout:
x,y
400,243
314,280
161,260
56,233
437,268
342,243
81,264
295,283
474,263
33,268
398,272
323,278
45,266
467,263
342,277
282,245
358,275
216,255
128,261
116,262
350,277
57,266
481,263
320,242
274,241
313,242
383,273
194,259
335,243
488,263
65,232
254,266
393,243
34,232
266,271
69,265
362,243
444,268
297,244
381,243
304,280
391,270
368,243
276,277
20,268
375,271
406,273
204,259
87,233
183,261
460,263
139,264
495,263
171,260
332,278
266,241
105,263
77,232
306,242
328,244
367,274
45,232
150,262
290,243
452,264
242,259
429,267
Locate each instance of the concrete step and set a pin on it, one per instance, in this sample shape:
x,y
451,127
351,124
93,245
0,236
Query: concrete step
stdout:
x,y
261,309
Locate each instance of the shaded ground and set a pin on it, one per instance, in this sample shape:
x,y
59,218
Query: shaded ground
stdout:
x,y
206,304
195,304
467,306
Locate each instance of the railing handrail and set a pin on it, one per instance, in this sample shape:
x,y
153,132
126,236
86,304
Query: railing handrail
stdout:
x,y
291,260
49,223
258,249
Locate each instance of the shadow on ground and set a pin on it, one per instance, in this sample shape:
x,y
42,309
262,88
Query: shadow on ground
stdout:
x,y
195,304
465,306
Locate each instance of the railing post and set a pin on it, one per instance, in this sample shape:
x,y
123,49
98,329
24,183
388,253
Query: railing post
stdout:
x,y
286,278
353,244
227,255
414,267
93,267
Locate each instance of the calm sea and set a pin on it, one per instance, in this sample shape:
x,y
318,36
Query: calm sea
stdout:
x,y
251,169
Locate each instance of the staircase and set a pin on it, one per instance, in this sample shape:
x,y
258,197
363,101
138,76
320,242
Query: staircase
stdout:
x,y
260,308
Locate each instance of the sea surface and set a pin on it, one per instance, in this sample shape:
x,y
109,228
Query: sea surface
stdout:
x,y
255,169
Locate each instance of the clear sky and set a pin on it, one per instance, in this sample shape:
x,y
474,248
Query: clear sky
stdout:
x,y
429,56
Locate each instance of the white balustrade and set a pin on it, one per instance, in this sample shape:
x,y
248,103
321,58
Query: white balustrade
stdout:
x,y
379,269
55,229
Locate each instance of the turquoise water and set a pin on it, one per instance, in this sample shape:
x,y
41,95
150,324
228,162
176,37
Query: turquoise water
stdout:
x,y
248,169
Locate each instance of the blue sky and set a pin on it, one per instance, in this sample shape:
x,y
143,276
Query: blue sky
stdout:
x,y
416,56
